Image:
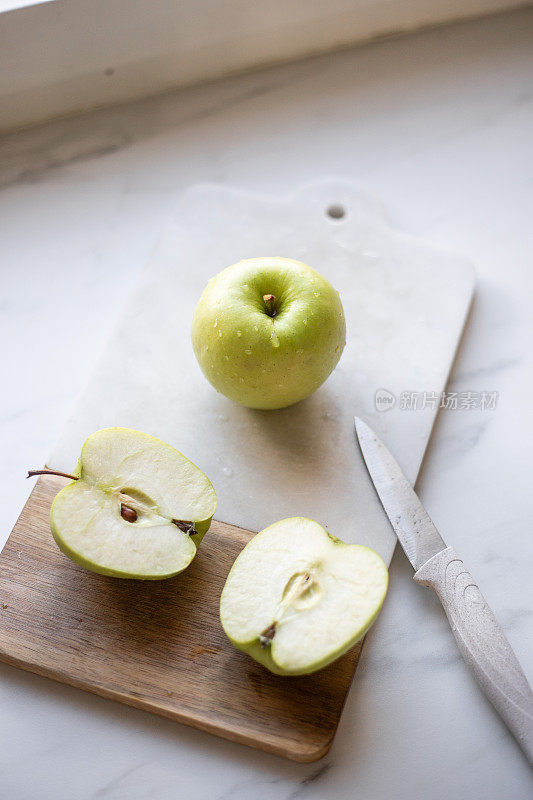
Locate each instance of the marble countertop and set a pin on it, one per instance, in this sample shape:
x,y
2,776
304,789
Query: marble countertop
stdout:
x,y
439,124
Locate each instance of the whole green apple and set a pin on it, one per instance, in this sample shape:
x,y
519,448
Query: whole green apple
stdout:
x,y
267,332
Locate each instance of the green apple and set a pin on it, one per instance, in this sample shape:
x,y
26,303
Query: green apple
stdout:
x,y
136,507
268,331
297,598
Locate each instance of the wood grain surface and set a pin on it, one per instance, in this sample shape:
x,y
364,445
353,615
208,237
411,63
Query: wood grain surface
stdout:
x,y
157,645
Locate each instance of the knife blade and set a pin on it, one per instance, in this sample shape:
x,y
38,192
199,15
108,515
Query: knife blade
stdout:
x,y
417,534
480,638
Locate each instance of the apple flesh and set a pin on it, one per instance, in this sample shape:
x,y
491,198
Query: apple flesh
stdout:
x,y
297,598
137,508
267,332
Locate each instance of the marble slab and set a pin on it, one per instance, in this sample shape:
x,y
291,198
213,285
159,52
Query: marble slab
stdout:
x,y
405,303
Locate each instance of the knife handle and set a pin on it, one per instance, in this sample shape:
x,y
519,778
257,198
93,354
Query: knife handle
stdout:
x,y
482,643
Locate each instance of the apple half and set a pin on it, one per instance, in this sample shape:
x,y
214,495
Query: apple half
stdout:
x,y
136,508
297,598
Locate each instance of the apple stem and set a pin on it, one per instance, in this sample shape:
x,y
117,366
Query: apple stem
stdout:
x,y
33,472
269,301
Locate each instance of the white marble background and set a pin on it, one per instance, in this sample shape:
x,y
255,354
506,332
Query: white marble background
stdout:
x,y
440,124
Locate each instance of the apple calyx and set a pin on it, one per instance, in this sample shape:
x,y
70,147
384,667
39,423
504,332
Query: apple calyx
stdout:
x,y
270,300
185,525
268,634
127,512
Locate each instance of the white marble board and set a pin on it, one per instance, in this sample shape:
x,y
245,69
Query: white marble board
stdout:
x,y
405,303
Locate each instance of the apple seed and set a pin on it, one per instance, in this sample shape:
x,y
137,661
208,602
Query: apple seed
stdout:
x,y
127,513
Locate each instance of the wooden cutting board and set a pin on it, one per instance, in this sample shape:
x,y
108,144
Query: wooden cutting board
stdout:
x,y
159,645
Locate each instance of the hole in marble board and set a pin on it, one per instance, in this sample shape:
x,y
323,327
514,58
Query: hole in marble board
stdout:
x,y
336,211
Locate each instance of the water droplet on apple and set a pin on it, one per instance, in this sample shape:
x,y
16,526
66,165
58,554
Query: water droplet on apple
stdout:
x,y
226,357
239,333
219,334
228,472
274,341
216,323
222,417
248,352
299,352
305,322
256,328
316,294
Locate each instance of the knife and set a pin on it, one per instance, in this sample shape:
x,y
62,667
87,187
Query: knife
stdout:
x,y
479,636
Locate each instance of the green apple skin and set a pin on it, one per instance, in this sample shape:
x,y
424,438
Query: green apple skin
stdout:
x,y
263,655
263,361
108,485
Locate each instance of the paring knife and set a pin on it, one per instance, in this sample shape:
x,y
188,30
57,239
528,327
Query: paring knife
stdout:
x,y
479,636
